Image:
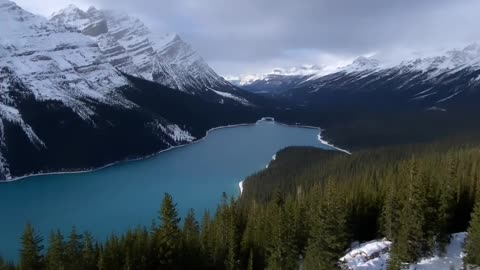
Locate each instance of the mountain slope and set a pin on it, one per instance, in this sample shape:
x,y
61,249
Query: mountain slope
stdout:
x,y
433,82
430,82
371,104
132,48
64,106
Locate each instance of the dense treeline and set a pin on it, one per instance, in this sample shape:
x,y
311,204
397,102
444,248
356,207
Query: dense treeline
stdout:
x,y
416,198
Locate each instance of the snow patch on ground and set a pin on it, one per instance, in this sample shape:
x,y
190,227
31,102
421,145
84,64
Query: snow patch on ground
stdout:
x,y
240,186
230,96
368,256
178,134
374,255
331,145
12,115
175,132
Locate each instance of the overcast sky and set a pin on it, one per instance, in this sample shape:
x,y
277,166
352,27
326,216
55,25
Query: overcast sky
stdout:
x,y
255,36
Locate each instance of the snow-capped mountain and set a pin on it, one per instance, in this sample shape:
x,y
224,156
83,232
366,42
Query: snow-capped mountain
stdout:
x,y
134,49
300,71
64,104
277,80
430,81
53,62
371,73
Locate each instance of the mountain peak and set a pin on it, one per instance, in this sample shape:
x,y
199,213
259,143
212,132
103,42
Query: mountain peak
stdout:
x,y
134,49
69,10
363,63
46,57
295,71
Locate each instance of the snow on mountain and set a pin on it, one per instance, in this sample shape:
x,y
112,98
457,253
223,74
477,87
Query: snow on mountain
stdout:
x,y
53,62
375,255
448,61
233,97
299,71
361,64
433,66
134,49
428,81
64,74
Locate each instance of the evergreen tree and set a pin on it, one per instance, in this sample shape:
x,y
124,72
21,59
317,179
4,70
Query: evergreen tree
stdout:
x,y
31,251
431,231
472,247
329,231
281,250
73,250
89,252
298,225
6,266
390,212
141,249
446,200
408,244
231,262
55,259
167,236
112,256
191,242
207,241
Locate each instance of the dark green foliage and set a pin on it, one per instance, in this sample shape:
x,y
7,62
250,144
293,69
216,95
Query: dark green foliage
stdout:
x,y
281,250
408,243
6,266
88,253
414,195
192,249
472,248
166,238
55,258
31,257
73,250
329,232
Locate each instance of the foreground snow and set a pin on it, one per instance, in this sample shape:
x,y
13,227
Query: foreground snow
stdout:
x,y
374,256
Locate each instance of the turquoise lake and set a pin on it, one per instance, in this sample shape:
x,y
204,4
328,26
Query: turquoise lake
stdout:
x,y
129,194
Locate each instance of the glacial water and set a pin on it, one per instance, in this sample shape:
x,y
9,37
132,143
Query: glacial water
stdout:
x,y
128,194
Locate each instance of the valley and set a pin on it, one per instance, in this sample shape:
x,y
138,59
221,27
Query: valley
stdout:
x,y
105,113
128,194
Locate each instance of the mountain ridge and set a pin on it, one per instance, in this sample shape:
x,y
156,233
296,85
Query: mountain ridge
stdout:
x,y
448,62
64,106
133,48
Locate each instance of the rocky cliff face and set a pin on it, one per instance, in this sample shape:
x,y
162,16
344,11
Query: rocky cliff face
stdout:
x,y
132,48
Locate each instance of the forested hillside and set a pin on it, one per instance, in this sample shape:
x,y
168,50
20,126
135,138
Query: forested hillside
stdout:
x,y
305,209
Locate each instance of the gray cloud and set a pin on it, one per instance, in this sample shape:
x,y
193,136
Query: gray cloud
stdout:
x,y
253,35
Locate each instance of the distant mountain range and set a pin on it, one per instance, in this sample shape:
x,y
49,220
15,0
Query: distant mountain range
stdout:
x,y
432,82
89,88
275,81
422,77
369,103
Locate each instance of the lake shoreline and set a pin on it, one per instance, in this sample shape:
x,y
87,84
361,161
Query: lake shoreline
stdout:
x,y
263,119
